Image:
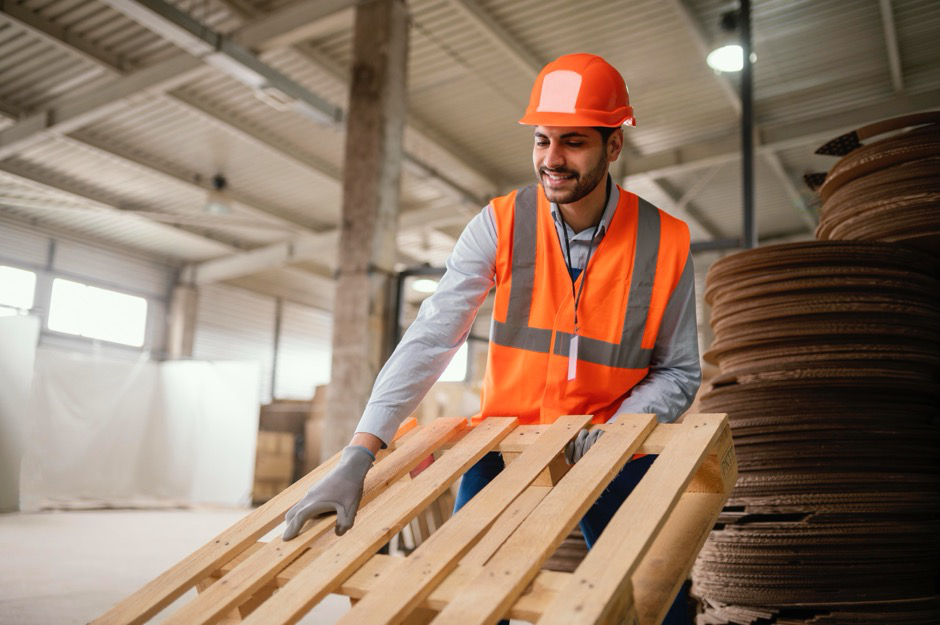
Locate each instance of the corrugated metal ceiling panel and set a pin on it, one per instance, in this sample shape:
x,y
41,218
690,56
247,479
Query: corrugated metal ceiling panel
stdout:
x,y
426,244
120,35
32,70
119,183
85,219
171,131
720,201
918,28
815,57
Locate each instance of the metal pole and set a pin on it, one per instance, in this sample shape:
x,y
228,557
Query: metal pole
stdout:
x,y
747,128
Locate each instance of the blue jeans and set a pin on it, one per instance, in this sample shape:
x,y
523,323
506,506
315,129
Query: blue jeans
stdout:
x,y
593,522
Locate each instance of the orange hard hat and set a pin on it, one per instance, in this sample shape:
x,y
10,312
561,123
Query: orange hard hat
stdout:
x,y
579,90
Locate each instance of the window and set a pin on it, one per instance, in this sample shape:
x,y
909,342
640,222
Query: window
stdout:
x,y
456,371
97,313
17,290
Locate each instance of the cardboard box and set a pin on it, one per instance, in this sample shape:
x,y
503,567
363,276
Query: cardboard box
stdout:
x,y
274,464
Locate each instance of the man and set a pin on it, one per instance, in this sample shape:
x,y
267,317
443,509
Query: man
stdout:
x,y
594,310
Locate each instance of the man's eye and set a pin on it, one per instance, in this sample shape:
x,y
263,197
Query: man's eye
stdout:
x,y
575,144
541,144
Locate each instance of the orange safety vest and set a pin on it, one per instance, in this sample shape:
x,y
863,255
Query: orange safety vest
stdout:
x,y
630,278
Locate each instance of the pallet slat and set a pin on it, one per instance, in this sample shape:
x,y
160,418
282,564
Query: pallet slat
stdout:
x,y
515,564
483,563
400,502
599,587
170,585
393,599
262,566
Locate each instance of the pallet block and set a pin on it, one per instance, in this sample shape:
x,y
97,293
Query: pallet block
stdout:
x,y
484,563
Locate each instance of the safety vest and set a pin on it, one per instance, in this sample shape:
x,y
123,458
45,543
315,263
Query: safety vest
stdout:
x,y
630,278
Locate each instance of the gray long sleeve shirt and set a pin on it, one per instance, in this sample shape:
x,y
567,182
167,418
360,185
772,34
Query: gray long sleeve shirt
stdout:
x,y
445,318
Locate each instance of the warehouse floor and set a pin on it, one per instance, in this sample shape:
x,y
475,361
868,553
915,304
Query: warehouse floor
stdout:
x,y
69,567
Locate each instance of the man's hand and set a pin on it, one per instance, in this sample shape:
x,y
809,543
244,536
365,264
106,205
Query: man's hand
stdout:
x,y
339,491
576,449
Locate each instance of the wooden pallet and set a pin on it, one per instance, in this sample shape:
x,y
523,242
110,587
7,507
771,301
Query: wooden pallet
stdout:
x,y
485,562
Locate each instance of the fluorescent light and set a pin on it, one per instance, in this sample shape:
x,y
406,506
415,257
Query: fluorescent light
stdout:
x,y
424,285
728,58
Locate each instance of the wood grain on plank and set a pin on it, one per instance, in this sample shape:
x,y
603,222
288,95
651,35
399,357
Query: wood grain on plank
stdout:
x,y
168,586
397,595
490,595
505,525
669,560
263,565
601,581
172,583
393,509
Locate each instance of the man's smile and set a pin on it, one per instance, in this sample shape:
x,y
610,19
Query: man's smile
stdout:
x,y
557,178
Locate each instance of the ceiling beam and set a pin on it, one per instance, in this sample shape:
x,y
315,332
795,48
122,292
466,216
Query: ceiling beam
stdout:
x,y
69,113
113,65
294,23
778,137
261,259
421,144
323,287
796,198
97,202
695,31
311,247
63,38
290,284
499,36
248,206
662,195
891,44
178,27
224,54
255,136
108,63
259,35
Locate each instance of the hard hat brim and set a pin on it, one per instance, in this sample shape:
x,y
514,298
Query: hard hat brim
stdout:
x,y
609,119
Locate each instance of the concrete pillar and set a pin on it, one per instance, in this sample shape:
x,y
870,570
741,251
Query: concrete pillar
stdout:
x,y
181,322
376,115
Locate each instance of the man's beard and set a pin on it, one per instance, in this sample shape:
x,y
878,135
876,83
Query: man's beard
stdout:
x,y
584,184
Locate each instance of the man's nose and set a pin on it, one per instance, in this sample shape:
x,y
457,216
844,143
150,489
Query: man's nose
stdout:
x,y
553,157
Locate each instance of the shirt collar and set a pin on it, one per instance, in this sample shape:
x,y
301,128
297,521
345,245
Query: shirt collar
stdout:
x,y
608,214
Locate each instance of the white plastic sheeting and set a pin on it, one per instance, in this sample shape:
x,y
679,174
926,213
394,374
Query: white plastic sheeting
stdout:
x,y
18,338
104,432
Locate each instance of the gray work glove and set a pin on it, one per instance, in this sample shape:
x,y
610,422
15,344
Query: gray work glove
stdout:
x,y
340,492
576,449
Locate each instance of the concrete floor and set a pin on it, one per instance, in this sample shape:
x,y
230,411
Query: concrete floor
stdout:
x,y
69,567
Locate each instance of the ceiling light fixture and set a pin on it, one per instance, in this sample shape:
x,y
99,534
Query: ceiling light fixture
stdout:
x,y
728,55
218,201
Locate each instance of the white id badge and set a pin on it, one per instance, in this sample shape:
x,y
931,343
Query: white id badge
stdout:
x,y
573,358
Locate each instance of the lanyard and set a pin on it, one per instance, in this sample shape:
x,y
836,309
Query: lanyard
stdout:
x,y
577,295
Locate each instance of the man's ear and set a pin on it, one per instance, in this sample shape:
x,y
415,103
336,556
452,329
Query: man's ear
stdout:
x,y
614,145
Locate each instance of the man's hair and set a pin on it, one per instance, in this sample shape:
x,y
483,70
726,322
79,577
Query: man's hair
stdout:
x,y
605,131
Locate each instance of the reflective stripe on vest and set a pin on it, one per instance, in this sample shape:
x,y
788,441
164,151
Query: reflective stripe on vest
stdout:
x,y
628,354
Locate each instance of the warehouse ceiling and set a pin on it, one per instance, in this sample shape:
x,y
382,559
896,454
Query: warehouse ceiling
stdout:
x,y
117,114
